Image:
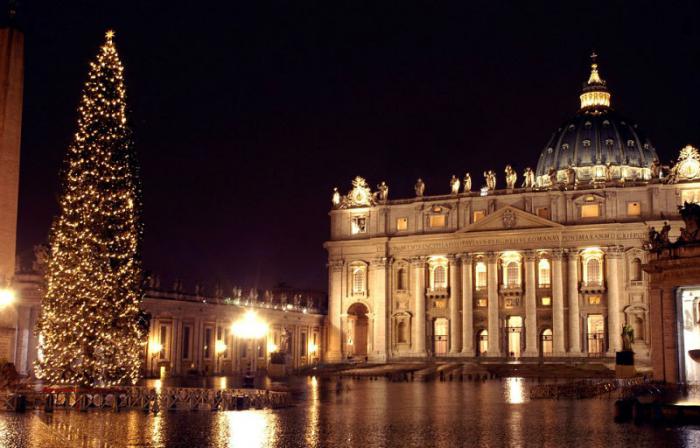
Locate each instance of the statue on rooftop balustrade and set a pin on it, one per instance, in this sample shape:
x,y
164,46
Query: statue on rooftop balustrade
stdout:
x,y
419,187
529,178
467,183
335,199
383,192
511,177
454,185
490,177
571,176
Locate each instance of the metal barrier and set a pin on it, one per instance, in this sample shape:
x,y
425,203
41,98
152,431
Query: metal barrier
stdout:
x,y
144,398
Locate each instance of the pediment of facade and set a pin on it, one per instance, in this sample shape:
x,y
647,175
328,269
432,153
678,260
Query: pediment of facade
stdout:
x,y
510,218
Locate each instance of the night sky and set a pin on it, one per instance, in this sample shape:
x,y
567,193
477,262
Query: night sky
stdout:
x,y
247,114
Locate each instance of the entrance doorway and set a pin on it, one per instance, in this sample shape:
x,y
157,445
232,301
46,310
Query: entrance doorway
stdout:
x,y
689,336
441,332
514,331
482,342
596,334
546,342
358,328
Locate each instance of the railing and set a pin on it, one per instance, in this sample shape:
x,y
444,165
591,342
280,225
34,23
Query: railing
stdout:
x,y
145,398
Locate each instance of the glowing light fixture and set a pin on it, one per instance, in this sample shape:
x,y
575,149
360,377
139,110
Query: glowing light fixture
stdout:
x,y
249,327
220,347
7,297
156,347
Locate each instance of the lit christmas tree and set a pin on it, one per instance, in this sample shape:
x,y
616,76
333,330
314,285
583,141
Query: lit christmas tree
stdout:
x,y
90,334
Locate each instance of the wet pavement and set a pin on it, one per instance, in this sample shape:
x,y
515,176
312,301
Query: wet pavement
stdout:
x,y
359,413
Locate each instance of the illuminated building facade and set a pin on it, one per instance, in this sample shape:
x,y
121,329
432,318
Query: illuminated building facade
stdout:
x,y
191,333
550,267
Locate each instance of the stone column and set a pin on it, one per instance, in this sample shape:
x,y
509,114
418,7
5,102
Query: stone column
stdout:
x,y
467,306
493,306
614,271
574,318
378,276
335,278
531,346
557,304
455,298
418,264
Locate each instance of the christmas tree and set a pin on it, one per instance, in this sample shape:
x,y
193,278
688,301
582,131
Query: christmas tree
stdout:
x,y
89,329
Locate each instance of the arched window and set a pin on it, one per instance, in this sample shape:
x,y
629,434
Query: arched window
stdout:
x,y
439,277
636,270
402,332
544,273
480,271
402,279
593,276
513,274
546,342
358,279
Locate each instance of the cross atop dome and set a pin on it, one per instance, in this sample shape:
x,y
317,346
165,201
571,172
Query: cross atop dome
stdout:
x,y
595,95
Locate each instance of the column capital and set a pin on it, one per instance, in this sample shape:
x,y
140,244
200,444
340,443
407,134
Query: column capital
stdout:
x,y
557,254
465,257
492,257
614,251
452,259
381,262
336,265
572,254
418,262
530,255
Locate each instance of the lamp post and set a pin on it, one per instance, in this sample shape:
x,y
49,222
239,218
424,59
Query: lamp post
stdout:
x,y
156,348
220,347
251,329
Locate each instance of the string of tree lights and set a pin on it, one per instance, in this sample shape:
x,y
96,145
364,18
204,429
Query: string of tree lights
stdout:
x,y
89,329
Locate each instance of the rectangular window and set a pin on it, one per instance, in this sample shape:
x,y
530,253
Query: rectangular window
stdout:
x,y
207,343
186,343
302,343
437,221
543,212
594,300
477,215
590,211
546,301
634,209
402,224
359,225
226,341
163,340
690,196
482,302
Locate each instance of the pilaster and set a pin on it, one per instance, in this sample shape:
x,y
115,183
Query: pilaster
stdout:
x,y
379,268
467,306
335,277
558,304
531,346
573,296
614,260
418,265
493,306
455,298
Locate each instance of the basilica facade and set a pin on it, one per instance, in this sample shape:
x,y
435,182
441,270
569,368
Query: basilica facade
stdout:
x,y
550,267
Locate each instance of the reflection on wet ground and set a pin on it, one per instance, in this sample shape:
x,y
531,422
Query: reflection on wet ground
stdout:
x,y
359,414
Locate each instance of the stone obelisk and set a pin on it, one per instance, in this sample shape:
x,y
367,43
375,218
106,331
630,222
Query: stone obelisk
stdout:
x,y
11,89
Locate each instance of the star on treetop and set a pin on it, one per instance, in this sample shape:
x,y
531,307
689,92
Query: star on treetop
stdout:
x,y
109,35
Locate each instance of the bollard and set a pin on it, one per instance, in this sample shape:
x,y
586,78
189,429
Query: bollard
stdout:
x,y
21,403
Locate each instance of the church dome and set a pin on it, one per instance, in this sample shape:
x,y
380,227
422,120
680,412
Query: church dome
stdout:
x,y
596,139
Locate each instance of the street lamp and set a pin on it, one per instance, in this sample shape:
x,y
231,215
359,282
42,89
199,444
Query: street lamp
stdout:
x,y
7,297
220,347
156,348
250,328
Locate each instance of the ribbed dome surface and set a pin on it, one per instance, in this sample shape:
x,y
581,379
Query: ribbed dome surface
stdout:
x,y
596,138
